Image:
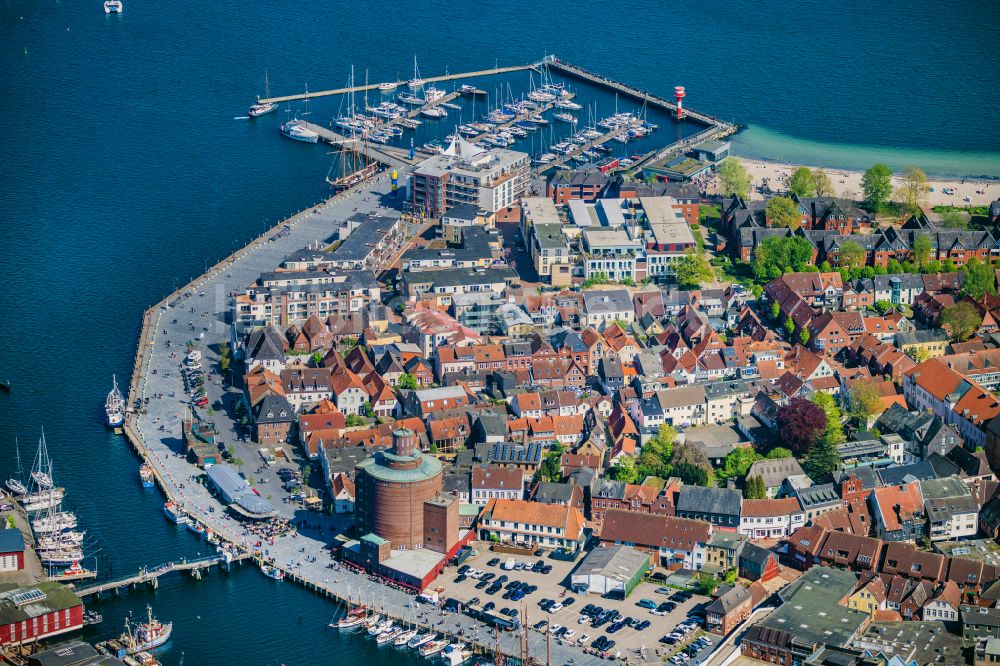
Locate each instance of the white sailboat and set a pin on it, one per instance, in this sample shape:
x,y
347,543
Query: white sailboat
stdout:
x,y
416,81
114,405
260,108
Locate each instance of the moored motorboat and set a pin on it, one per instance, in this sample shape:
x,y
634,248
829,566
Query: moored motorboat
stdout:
x,y
272,572
433,112
197,528
388,85
295,130
420,640
388,635
378,628
403,637
433,647
113,7
455,654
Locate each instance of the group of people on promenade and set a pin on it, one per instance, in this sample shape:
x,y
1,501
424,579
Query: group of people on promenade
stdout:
x,y
269,530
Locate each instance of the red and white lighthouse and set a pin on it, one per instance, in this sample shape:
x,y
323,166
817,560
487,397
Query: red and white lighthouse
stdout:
x,y
679,96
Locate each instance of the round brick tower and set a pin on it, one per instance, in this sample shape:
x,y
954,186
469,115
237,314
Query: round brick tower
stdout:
x,y
392,487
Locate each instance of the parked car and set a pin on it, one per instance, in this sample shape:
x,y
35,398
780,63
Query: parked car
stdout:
x,y
494,562
663,590
646,603
553,628
583,639
555,608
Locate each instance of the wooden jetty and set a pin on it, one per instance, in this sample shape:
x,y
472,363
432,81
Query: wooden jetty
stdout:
x,y
374,86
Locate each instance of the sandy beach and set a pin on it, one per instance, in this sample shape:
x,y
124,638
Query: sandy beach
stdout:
x,y
847,184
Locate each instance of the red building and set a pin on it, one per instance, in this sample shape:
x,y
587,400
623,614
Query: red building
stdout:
x,y
11,550
29,614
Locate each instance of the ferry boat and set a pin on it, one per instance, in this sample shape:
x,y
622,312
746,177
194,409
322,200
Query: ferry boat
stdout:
x,y
113,7
174,513
420,640
114,405
272,572
260,108
146,475
146,636
565,117
16,487
432,647
294,130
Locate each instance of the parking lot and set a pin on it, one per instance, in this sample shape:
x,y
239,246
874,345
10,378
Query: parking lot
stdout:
x,y
565,608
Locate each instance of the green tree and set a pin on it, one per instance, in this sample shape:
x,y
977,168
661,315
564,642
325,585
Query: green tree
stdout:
x,y
918,354
804,336
979,279
775,310
596,278
354,420
865,402
783,212
776,256
654,459
407,381
778,452
954,220
851,255
706,584
961,320
824,188
877,185
693,269
821,460
912,193
693,475
789,326
755,488
625,470
737,463
803,182
834,431
922,248
734,179
317,359
225,357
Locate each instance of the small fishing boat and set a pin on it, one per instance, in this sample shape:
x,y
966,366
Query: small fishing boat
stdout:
x,y
272,572
146,475
145,636
16,487
174,513
113,7
114,405
197,528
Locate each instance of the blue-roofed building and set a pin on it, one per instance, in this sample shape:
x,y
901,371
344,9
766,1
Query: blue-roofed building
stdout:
x,y
237,493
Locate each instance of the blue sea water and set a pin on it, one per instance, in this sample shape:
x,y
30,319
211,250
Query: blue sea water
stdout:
x,y
124,173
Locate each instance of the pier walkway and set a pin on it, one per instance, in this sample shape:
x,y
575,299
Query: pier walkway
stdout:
x,y
152,576
387,155
430,79
631,91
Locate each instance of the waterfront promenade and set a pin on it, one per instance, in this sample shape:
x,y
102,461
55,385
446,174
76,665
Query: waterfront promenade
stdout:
x,y
198,311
